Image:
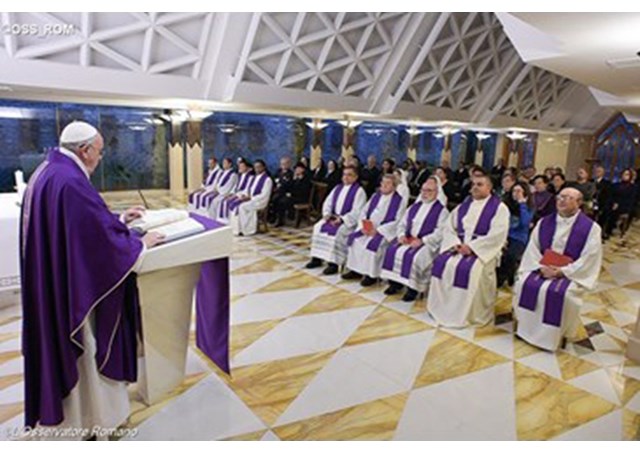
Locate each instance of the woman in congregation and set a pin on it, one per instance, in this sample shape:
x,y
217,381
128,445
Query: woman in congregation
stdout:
x,y
622,199
333,176
543,200
521,215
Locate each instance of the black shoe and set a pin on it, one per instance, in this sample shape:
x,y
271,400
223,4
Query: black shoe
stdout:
x,y
368,281
331,269
394,288
410,296
314,263
351,275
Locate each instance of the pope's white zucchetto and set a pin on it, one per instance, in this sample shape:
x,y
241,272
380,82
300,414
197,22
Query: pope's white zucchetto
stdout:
x,y
78,132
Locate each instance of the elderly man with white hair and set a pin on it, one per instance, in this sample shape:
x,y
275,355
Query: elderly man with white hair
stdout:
x,y
79,293
377,224
408,259
561,261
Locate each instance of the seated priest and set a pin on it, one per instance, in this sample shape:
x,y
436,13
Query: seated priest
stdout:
x,y
223,187
297,192
463,277
562,260
377,225
79,293
340,212
196,197
408,259
230,201
244,218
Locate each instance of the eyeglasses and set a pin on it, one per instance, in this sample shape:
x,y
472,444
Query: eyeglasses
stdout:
x,y
565,197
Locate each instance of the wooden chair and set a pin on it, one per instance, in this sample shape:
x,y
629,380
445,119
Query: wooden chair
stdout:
x,y
303,210
321,192
262,219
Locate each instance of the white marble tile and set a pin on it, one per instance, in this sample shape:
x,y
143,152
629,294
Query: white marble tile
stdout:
x,y
207,411
615,331
634,403
376,296
15,326
15,366
237,263
426,318
543,361
502,345
272,305
304,335
342,383
622,317
625,272
12,428
608,359
15,344
269,436
195,364
398,358
12,394
606,428
632,371
598,383
249,283
401,307
477,406
603,342
466,333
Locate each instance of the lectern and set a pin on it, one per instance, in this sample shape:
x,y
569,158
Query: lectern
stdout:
x,y
166,287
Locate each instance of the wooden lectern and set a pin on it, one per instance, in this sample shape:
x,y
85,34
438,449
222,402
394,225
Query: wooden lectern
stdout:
x,y
166,284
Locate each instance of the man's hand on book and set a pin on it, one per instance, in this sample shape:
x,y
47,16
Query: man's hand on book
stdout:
x,y
550,272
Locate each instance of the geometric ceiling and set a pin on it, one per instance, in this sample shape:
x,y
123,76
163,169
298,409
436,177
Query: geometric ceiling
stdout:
x,y
422,66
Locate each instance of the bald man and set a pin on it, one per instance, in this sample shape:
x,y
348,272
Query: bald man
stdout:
x,y
547,296
79,292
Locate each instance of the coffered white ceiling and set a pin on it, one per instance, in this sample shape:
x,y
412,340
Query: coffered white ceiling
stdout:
x,y
427,66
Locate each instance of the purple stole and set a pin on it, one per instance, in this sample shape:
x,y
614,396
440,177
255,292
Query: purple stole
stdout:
x,y
197,197
257,189
329,228
211,177
392,211
557,290
429,225
463,270
225,206
253,190
205,200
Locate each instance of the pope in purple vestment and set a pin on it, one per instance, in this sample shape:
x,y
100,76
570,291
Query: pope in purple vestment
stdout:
x,y
78,263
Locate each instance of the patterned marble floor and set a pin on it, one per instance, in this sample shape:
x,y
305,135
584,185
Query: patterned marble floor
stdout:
x,y
314,357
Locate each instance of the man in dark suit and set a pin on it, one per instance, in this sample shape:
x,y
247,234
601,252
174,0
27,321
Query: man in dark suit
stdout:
x,y
282,185
369,175
298,191
601,198
420,177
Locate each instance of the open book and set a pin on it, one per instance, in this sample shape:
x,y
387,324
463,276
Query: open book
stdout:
x,y
172,223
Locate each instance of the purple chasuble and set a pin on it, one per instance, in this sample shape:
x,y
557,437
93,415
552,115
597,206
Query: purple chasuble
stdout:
x,y
428,226
76,260
465,265
347,206
557,290
392,211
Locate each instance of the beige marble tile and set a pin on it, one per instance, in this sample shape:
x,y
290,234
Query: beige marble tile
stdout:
x,y
376,420
243,335
264,265
9,320
9,380
547,407
268,388
8,336
9,355
385,323
450,357
8,411
249,436
332,300
489,332
601,314
297,280
630,425
572,366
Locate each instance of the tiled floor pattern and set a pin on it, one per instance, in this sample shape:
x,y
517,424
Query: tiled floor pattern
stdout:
x,y
314,357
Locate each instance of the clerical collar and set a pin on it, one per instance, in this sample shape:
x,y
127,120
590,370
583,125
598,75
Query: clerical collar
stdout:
x,y
74,157
568,219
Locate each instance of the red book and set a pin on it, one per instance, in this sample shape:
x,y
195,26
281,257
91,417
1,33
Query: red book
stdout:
x,y
551,258
367,226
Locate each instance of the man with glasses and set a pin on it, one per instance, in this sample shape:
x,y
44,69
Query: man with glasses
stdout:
x,y
79,293
562,259
463,276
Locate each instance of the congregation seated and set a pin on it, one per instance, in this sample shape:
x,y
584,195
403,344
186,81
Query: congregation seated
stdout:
x,y
377,225
402,186
543,200
562,259
333,175
370,175
340,213
281,185
297,191
243,216
223,186
408,259
208,186
463,277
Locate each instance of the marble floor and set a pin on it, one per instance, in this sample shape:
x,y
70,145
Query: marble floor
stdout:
x,y
317,358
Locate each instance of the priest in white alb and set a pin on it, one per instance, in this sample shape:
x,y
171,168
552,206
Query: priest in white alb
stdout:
x,y
340,212
408,259
463,277
377,225
230,201
561,261
244,218
223,186
196,197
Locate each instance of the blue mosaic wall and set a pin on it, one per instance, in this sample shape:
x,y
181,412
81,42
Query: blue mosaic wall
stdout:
x,y
618,147
134,155
267,137
488,148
